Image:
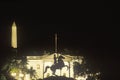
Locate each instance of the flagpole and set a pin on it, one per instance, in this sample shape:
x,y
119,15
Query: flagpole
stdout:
x,y
56,51
55,43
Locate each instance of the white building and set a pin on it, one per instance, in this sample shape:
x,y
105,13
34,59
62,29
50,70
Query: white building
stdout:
x,y
39,63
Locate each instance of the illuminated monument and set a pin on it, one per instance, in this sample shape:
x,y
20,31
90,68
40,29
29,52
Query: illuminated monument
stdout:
x,y
55,64
14,36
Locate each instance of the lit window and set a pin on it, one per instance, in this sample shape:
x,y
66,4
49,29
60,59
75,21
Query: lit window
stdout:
x,y
38,66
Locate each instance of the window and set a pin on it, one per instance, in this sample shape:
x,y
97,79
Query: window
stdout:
x,y
38,66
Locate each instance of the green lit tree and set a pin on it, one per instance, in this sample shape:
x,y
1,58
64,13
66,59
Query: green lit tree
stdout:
x,y
23,65
80,69
14,65
10,65
85,69
2,77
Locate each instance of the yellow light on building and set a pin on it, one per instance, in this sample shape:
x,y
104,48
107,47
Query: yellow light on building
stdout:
x,y
14,36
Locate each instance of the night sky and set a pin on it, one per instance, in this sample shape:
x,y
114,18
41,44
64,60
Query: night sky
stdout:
x,y
91,31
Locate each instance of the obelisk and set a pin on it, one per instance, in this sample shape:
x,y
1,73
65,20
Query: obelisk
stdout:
x,y
14,36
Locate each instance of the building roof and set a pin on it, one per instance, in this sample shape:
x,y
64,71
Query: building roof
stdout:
x,y
49,57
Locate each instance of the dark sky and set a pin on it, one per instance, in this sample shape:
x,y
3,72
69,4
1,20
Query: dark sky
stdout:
x,y
90,30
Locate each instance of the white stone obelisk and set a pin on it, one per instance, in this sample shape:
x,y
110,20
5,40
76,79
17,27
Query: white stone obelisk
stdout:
x,y
14,36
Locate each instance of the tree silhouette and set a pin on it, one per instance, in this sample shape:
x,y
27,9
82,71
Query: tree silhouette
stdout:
x,y
10,65
13,64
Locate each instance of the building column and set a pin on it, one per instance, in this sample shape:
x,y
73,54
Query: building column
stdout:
x,y
69,69
43,69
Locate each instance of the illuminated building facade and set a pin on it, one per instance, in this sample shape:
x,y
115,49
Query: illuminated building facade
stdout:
x,y
38,63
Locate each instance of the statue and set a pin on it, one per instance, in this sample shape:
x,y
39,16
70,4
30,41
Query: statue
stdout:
x,y
58,64
55,59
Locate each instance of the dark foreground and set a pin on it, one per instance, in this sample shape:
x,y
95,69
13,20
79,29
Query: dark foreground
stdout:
x,y
58,78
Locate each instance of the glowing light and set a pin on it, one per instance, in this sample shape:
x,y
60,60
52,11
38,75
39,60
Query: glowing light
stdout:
x,y
81,77
21,75
13,74
14,35
98,73
27,77
91,74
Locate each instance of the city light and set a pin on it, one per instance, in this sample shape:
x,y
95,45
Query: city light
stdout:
x,y
13,74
